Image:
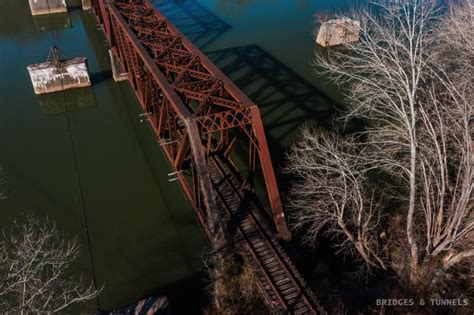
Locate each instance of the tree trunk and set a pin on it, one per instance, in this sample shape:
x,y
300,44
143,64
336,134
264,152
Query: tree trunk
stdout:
x,y
411,205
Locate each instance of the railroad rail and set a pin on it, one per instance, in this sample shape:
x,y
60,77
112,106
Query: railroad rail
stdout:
x,y
213,136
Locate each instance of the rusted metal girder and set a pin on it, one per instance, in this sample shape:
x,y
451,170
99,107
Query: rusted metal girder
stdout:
x,y
200,117
175,82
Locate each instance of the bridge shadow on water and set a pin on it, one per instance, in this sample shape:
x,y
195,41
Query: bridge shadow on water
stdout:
x,y
286,100
194,20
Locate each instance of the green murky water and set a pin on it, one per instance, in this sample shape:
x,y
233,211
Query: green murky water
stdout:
x,y
144,237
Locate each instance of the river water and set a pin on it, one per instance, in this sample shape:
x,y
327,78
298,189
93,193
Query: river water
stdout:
x,y
143,236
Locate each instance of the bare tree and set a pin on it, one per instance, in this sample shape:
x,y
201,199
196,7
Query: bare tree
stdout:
x,y
455,44
415,155
35,270
331,195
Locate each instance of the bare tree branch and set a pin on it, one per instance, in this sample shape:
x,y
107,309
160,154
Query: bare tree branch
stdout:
x,y
35,270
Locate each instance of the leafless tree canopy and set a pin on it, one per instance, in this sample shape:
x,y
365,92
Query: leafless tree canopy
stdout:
x,y
398,194
35,270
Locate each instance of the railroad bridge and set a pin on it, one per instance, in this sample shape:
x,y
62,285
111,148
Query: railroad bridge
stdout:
x,y
214,139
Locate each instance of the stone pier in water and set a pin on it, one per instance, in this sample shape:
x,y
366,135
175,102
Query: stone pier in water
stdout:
x,y
47,6
53,76
338,31
118,72
86,5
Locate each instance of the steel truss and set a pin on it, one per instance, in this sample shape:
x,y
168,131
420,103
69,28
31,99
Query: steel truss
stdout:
x,y
175,82
202,120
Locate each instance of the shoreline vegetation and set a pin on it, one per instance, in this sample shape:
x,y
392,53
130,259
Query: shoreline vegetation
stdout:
x,y
396,197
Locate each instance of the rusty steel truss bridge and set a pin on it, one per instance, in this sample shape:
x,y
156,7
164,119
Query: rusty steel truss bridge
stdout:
x,y
213,137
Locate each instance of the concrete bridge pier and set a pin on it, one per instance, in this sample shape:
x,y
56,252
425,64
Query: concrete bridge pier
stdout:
x,y
59,74
86,5
39,7
118,72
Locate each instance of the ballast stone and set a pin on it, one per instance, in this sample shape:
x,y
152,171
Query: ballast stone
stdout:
x,y
54,76
338,31
39,7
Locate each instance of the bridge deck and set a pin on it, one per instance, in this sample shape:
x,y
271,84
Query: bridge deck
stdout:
x,y
192,108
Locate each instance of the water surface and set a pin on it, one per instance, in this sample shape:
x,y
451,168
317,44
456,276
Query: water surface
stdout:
x,y
143,233
144,237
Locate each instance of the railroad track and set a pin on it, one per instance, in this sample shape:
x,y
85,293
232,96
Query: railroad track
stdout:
x,y
282,286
